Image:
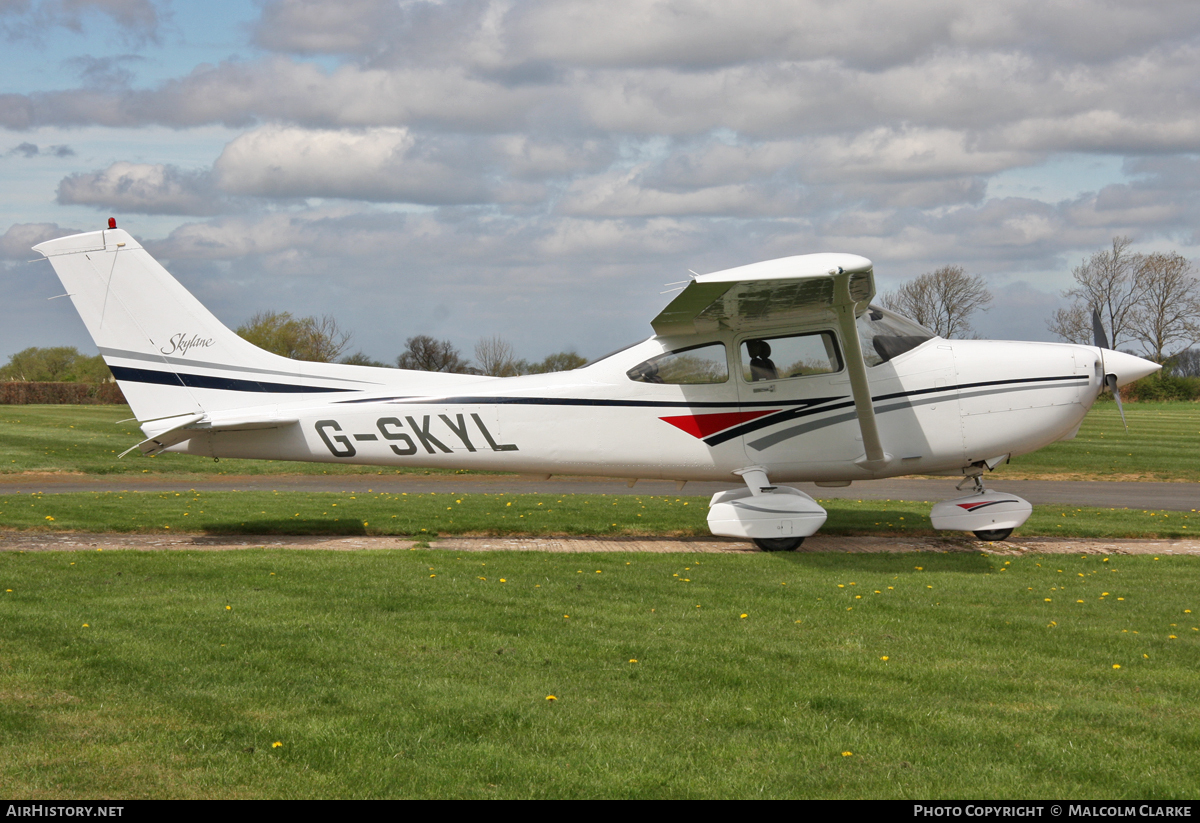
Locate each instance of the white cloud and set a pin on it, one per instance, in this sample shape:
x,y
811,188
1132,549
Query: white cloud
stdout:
x,y
136,19
384,164
18,241
618,141
142,188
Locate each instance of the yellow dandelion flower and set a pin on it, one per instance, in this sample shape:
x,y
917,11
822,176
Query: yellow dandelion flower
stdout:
x,y
277,745
633,660
551,697
86,626
847,754
1116,665
743,617
229,608
885,657
48,517
566,617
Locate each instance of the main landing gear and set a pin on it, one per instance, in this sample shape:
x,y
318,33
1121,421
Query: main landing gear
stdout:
x,y
775,518
778,544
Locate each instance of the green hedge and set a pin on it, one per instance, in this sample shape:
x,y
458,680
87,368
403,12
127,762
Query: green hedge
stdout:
x,y
1163,388
25,393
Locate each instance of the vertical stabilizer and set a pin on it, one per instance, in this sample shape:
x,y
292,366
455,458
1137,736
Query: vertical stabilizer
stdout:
x,y
170,355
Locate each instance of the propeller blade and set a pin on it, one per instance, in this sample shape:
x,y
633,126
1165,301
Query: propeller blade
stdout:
x,y
1098,335
1111,380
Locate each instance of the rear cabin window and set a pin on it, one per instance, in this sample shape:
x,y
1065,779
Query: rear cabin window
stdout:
x,y
778,358
697,365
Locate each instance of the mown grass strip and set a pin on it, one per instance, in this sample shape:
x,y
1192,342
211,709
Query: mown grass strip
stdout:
x,y
426,515
426,674
87,439
1161,444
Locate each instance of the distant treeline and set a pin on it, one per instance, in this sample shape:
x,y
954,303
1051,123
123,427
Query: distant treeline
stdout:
x,y
20,393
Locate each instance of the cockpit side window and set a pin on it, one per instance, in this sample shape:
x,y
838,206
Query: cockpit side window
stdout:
x,y
696,365
797,355
885,335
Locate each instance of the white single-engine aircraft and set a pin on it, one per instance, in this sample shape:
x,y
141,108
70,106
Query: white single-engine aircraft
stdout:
x,y
776,371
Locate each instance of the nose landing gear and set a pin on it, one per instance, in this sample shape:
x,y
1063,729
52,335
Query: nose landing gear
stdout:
x,y
990,515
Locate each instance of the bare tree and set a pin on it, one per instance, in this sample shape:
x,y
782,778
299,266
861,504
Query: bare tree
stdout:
x,y
1072,324
317,339
1167,315
559,361
1186,363
942,300
1108,282
495,357
423,353
361,358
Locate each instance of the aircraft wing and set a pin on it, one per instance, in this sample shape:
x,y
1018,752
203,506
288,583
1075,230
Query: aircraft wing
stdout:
x,y
761,295
178,429
795,291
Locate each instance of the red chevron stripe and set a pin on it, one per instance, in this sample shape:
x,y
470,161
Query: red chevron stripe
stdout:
x,y
702,425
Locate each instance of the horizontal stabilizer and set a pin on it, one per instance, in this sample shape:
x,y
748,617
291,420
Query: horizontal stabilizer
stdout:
x,y
188,427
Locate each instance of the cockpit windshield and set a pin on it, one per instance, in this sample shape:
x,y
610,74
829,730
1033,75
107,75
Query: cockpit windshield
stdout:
x,y
885,335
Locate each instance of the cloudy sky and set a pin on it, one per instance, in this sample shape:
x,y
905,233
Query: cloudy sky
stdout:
x,y
539,170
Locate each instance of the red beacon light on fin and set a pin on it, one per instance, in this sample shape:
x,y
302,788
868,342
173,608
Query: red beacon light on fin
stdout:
x,y
112,222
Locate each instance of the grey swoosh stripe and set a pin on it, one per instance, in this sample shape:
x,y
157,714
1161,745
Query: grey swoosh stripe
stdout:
x,y
795,431
181,361
784,512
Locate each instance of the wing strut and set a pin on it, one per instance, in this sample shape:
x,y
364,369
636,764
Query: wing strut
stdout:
x,y
846,308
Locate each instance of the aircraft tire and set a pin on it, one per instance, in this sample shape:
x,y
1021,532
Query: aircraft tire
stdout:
x,y
993,535
778,544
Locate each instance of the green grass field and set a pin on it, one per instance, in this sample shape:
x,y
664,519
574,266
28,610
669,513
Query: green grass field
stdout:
x,y
429,515
1163,443
426,674
88,440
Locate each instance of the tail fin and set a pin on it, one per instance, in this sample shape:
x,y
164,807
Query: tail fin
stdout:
x,y
170,355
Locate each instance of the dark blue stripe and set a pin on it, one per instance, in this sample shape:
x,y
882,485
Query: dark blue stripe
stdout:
x,y
202,381
578,401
